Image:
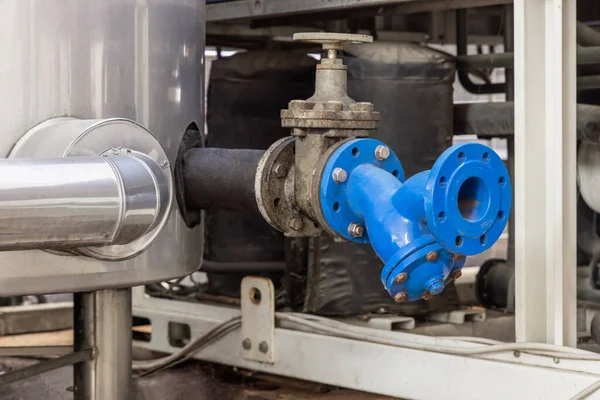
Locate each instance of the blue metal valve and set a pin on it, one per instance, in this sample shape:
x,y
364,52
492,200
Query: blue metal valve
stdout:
x,y
423,227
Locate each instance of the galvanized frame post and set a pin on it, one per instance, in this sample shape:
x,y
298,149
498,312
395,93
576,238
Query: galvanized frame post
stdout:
x,y
545,178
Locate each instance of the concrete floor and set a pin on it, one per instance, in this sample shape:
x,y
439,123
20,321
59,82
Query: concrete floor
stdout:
x,y
188,381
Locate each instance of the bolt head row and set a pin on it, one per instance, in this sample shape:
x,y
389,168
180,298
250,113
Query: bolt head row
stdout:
x,y
263,346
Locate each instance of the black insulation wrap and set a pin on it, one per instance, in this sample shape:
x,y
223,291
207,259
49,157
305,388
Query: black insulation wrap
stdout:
x,y
192,138
498,119
221,178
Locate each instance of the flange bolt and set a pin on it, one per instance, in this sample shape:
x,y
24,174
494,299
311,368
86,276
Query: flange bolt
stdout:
x,y
436,287
432,256
382,152
296,224
456,274
400,297
280,170
401,277
458,257
339,175
355,230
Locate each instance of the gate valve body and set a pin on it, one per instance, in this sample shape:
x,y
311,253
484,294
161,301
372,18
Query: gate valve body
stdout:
x,y
421,228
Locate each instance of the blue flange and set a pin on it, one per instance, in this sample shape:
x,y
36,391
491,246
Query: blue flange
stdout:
x,y
333,196
468,198
420,228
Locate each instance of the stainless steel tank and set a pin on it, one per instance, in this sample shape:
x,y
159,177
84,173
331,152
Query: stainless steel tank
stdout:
x,y
138,60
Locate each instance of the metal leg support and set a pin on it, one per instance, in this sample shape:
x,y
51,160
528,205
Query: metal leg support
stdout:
x,y
102,321
545,178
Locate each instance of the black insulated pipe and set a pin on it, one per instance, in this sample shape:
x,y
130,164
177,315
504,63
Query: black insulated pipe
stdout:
x,y
585,56
220,178
498,120
462,38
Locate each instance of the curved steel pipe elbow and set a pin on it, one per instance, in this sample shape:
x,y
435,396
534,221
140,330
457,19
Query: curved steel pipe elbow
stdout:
x,y
423,227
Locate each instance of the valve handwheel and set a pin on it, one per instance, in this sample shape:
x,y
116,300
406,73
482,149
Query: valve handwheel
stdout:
x,y
332,41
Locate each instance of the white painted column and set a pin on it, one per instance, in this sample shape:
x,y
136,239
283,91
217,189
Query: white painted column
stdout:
x,y
545,176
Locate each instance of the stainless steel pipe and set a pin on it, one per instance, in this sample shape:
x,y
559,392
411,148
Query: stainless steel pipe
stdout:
x,y
102,322
113,198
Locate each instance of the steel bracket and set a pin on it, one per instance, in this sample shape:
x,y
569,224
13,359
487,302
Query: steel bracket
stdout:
x,y
258,319
458,317
383,322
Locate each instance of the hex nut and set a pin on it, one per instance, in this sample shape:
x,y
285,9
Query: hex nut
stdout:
x,y
456,274
427,296
382,152
339,175
356,230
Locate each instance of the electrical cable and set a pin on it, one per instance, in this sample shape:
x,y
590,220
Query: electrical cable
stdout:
x,y
350,332
158,364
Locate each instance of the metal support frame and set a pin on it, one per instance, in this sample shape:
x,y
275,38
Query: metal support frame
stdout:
x,y
46,366
101,355
102,321
232,10
545,162
258,321
376,368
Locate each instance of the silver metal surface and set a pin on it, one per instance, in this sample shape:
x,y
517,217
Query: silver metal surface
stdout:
x,y
81,201
331,41
71,137
382,152
102,321
96,60
258,319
